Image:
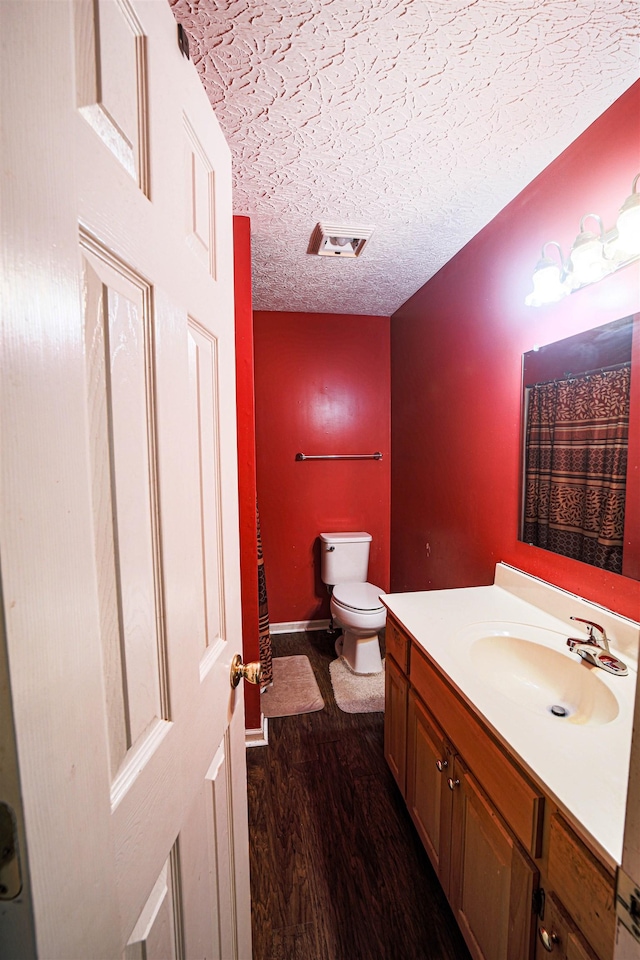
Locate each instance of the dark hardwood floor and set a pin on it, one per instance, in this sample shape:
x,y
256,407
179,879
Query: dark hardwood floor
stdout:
x,y
337,869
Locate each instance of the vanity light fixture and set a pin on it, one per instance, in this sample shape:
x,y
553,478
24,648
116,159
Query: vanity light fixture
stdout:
x,y
593,256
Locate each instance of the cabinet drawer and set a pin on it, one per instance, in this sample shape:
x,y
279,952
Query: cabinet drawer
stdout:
x,y
520,803
396,644
585,887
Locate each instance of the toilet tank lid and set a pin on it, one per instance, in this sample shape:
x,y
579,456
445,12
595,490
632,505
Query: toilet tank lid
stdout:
x,y
349,537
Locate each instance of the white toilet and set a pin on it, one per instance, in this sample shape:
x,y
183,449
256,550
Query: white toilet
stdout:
x,y
355,604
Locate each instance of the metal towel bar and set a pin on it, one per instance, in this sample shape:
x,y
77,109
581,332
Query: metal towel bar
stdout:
x,y
339,456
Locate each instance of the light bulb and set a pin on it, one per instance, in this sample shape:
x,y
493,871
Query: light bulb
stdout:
x,y
587,254
548,279
628,224
546,283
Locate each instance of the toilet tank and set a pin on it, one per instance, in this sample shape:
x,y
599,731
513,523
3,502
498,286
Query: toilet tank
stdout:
x,y
345,556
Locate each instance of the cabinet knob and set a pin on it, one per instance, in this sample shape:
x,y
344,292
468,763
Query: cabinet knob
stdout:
x,y
442,765
453,783
548,940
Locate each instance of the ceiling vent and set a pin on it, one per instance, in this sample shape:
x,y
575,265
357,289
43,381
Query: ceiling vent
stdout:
x,y
330,240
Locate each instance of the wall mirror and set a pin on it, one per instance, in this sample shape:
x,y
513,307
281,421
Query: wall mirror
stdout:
x,y
576,453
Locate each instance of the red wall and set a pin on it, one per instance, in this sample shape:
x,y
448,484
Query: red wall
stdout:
x,y
246,458
456,365
322,387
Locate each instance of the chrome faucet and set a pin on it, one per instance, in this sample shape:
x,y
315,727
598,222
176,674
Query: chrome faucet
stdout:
x,y
591,640
596,650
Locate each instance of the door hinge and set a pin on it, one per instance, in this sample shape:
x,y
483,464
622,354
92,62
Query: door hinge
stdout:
x,y
183,41
10,879
628,903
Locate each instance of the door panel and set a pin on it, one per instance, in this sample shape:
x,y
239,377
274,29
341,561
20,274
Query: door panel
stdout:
x,y
117,323
221,848
205,407
111,86
200,199
157,932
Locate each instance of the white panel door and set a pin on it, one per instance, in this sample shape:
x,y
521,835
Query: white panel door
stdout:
x,y
118,521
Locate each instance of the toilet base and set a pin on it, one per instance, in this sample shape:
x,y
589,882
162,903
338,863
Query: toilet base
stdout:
x,y
362,652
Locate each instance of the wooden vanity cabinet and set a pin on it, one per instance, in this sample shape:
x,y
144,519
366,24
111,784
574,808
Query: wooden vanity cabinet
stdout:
x,y
481,820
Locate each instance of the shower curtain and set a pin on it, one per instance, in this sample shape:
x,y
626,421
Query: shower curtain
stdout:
x,y
576,466
264,636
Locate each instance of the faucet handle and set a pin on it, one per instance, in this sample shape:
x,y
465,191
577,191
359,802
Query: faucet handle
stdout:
x,y
576,642
591,626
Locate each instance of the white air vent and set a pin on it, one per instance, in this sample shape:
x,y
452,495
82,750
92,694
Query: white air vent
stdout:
x,y
330,240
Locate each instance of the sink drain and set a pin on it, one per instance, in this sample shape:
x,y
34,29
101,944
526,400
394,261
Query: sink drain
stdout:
x,y
558,710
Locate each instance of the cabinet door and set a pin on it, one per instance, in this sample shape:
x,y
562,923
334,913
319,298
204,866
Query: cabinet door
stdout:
x,y
429,761
586,888
577,948
492,879
395,722
559,936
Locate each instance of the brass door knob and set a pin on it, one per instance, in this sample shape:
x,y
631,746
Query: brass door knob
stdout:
x,y
244,671
442,765
453,783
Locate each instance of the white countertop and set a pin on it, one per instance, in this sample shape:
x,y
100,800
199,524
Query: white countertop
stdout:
x,y
583,766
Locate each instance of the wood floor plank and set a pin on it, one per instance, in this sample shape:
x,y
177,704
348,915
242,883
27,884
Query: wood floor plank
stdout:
x,y
337,869
297,943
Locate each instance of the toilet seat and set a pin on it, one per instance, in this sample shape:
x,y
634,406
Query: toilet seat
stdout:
x,y
359,597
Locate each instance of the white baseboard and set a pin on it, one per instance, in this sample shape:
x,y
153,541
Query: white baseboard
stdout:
x,y
259,736
299,626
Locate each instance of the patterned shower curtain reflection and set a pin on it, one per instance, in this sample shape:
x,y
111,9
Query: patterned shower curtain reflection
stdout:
x,y
576,466
263,616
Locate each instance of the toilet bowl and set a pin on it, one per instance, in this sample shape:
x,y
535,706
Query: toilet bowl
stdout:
x,y
356,607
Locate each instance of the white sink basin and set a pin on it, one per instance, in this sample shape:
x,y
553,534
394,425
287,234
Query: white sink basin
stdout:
x,y
540,677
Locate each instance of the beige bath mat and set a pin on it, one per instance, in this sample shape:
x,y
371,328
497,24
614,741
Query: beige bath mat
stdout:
x,y
294,689
357,692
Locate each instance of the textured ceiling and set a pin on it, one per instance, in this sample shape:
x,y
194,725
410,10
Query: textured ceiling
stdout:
x,y
423,118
